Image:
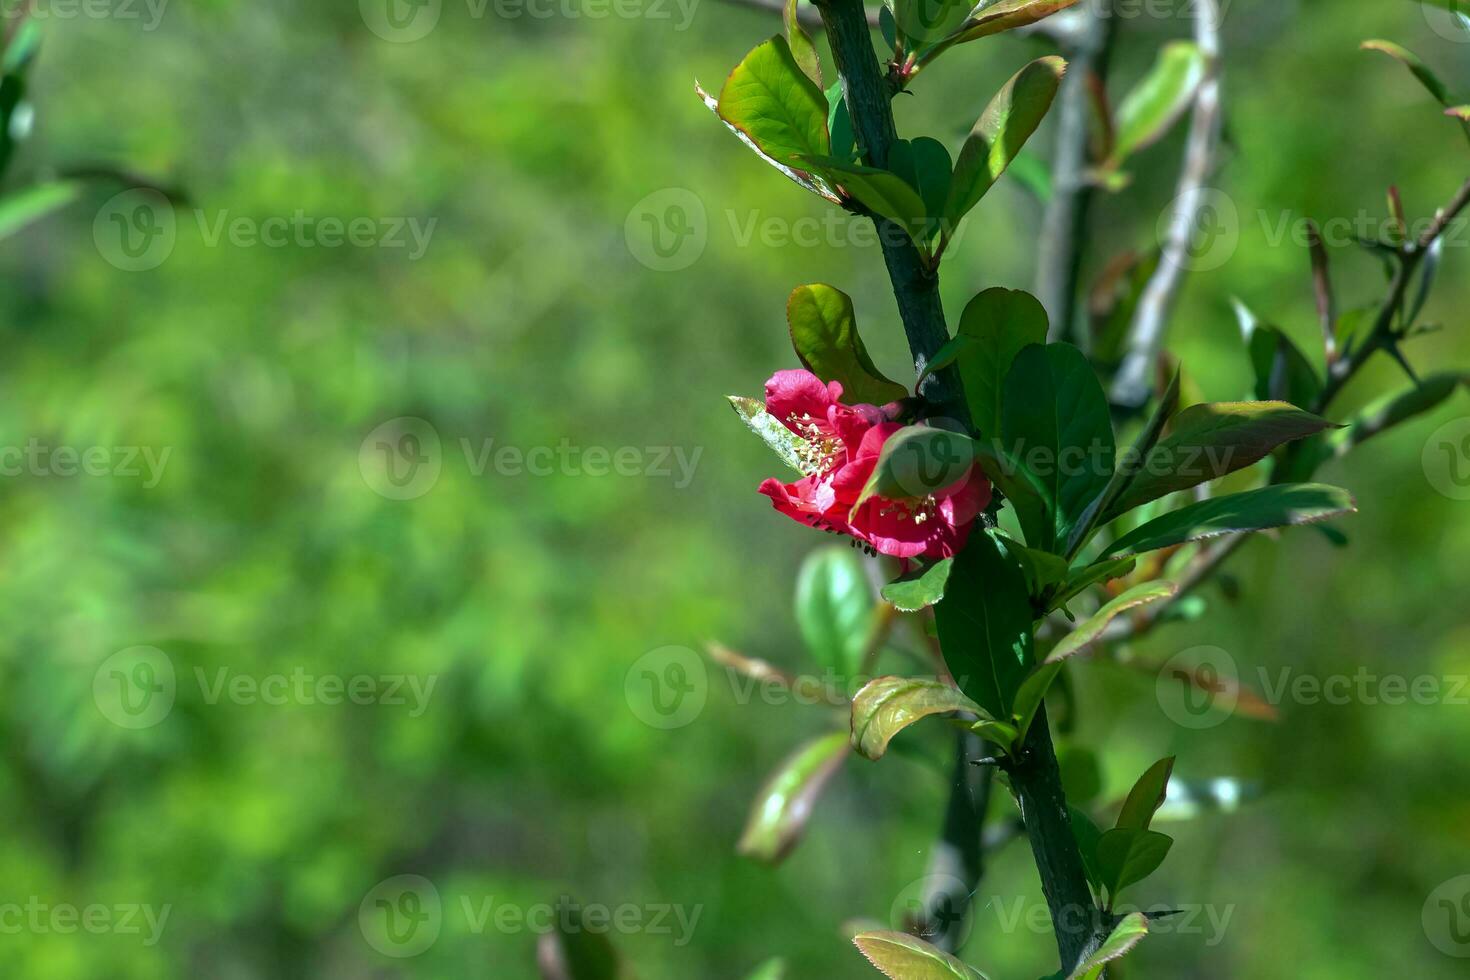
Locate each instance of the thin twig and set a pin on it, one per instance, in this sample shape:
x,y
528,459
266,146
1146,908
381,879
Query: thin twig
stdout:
x,y
807,15
1146,335
1064,228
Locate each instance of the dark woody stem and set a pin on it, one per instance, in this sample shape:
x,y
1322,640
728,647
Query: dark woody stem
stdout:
x,y
1035,777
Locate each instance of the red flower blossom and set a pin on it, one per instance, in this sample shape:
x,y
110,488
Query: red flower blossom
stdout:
x,y
842,446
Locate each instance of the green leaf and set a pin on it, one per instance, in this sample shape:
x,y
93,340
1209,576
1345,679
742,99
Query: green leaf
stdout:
x,y
1085,578
1081,774
1126,469
1156,103
925,165
921,23
1093,626
984,624
29,204
1126,935
1044,571
903,957
774,969
1254,510
834,608
825,335
799,177
920,588
839,124
1031,695
1007,15
1282,371
888,27
882,192
1056,423
1002,130
918,461
1127,855
1208,441
1395,409
997,325
783,806
888,705
771,430
1088,835
574,951
1417,67
768,98
1146,796
803,51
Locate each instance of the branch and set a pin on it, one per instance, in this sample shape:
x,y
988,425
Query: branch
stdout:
x,y
915,286
1064,228
958,861
1146,336
808,16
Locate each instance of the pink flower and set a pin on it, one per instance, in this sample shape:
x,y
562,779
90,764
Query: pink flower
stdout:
x,y
842,445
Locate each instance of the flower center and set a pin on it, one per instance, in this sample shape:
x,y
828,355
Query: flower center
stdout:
x,y
920,511
820,450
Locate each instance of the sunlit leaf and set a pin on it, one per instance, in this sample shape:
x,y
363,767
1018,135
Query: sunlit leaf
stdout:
x,y
834,608
1031,695
888,705
1125,935
799,177
768,98
771,430
903,957
920,588
784,804
882,192
21,207
1002,130
825,335
1156,103
1093,627
803,51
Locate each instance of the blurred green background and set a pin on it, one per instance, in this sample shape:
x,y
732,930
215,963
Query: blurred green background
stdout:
x,y
272,544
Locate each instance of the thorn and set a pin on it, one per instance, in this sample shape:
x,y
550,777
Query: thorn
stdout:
x,y
1403,362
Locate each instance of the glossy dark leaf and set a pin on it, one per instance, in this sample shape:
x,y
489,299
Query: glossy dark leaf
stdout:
x,y
925,165
1056,422
1254,510
1146,796
1127,855
1031,695
984,625
995,326
1206,442
882,192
